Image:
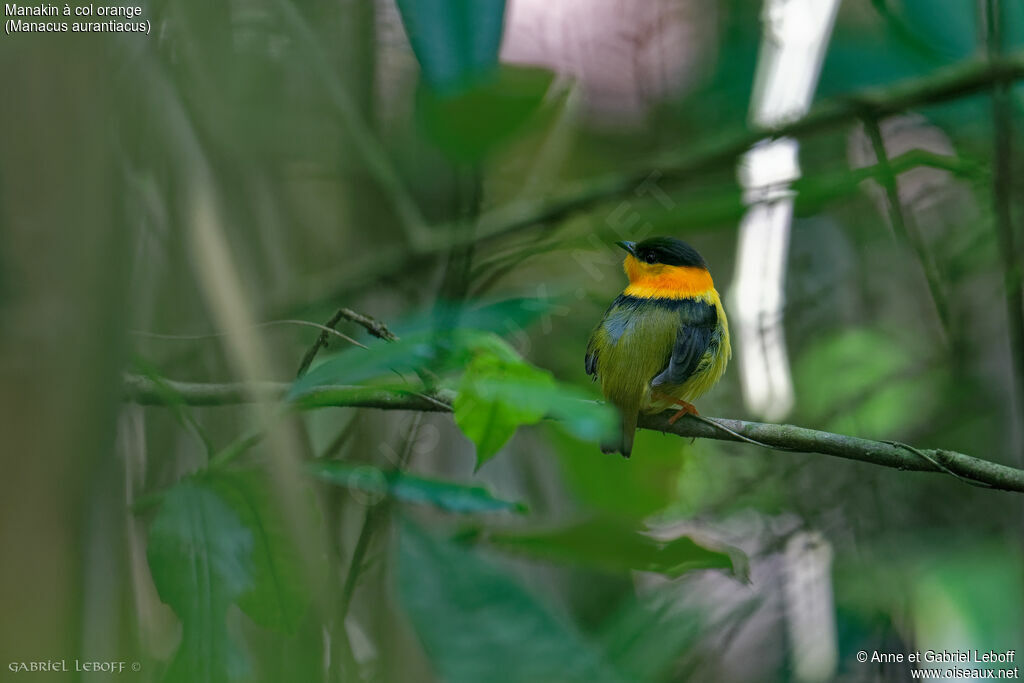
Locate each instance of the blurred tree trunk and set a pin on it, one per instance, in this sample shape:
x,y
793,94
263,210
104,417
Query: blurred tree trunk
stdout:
x,y
63,248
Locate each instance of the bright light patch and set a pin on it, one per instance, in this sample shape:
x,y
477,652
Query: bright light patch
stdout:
x,y
796,33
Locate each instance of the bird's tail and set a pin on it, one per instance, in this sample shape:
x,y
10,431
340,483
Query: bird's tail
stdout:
x,y
623,443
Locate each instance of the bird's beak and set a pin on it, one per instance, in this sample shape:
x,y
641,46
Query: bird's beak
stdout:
x,y
628,246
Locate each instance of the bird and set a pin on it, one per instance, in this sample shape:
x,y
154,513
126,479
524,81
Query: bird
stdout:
x,y
664,341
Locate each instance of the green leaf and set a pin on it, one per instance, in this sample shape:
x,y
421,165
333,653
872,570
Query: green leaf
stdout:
x,y
614,546
468,125
477,624
948,26
490,405
279,595
199,553
356,366
498,394
441,342
455,41
448,496
219,539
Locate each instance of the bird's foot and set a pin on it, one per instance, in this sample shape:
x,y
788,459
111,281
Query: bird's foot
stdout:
x,y
686,409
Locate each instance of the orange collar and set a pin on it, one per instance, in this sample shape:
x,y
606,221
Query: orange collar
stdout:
x,y
659,281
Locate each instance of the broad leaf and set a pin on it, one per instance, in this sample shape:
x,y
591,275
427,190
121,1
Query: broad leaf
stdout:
x,y
494,400
478,624
497,395
448,496
455,41
470,124
219,539
279,595
441,342
200,556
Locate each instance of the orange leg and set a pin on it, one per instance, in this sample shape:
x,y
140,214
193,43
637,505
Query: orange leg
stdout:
x,y
686,409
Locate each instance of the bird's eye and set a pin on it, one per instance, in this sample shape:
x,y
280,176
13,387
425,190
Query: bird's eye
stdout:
x,y
650,257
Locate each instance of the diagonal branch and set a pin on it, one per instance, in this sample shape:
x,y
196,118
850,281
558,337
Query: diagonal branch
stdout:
x,y
906,226
145,391
942,85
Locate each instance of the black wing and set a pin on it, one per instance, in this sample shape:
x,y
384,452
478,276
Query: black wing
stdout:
x,y
698,322
590,362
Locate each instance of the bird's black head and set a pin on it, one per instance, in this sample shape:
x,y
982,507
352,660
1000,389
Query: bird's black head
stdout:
x,y
666,250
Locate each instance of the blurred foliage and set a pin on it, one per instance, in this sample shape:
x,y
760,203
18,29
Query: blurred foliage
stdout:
x,y
409,489
456,43
616,546
219,539
446,589
876,388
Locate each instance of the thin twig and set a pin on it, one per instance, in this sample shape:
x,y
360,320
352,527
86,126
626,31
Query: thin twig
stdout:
x,y
776,436
371,325
905,225
269,323
1002,197
342,659
376,515
374,327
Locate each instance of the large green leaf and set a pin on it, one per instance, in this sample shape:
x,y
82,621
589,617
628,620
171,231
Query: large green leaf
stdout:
x,y
498,394
470,124
219,539
200,556
455,41
615,546
477,624
279,595
468,103
419,351
441,341
445,495
489,406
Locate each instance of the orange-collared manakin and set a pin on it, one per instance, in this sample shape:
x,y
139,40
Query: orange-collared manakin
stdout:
x,y
664,341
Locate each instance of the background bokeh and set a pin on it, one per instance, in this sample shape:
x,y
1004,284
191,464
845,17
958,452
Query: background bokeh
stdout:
x,y
174,206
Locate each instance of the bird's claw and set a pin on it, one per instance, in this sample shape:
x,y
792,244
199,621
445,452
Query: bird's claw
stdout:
x,y
686,409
